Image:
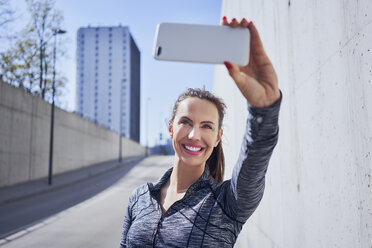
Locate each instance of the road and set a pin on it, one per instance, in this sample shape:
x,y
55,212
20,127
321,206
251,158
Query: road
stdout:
x,y
95,222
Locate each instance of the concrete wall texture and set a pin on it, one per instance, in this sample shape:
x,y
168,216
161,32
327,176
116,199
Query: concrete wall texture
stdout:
x,y
25,134
318,186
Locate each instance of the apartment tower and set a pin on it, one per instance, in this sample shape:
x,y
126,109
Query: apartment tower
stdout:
x,y
108,79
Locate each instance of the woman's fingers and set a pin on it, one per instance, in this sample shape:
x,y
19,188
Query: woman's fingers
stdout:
x,y
244,23
256,43
235,23
224,21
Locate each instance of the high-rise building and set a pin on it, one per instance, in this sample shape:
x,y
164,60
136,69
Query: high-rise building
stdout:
x,y
108,79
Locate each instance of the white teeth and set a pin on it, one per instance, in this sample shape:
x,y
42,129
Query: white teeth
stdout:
x,y
193,149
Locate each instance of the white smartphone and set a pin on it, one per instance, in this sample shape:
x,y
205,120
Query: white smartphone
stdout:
x,y
201,43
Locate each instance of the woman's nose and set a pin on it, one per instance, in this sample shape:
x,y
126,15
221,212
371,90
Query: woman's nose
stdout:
x,y
194,134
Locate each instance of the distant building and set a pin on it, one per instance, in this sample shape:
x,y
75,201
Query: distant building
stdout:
x,y
108,79
163,149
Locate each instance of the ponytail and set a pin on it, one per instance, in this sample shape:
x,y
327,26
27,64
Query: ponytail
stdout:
x,y
216,163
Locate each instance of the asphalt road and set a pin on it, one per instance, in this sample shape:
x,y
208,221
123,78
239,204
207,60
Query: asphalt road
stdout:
x,y
86,220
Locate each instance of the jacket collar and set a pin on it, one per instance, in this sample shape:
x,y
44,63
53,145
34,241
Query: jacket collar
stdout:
x,y
202,181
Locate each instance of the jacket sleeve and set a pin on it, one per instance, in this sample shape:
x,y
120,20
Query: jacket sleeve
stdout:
x,y
127,223
248,179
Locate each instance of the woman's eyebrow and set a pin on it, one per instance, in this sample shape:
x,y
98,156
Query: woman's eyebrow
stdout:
x,y
208,122
187,118
202,122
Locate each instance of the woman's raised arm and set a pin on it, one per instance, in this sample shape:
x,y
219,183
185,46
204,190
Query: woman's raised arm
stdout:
x,y
258,83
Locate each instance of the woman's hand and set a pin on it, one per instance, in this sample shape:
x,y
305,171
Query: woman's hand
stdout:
x,y
257,81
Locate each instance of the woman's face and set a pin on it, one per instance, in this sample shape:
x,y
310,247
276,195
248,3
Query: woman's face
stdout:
x,y
194,131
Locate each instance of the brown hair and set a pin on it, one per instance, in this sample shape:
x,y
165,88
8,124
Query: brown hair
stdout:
x,y
216,162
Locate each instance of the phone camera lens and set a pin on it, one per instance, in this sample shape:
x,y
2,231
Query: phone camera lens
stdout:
x,y
158,52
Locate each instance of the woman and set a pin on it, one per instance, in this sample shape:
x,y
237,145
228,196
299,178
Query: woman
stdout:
x,y
191,205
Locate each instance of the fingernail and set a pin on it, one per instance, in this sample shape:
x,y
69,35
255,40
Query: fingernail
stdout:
x,y
224,18
250,23
233,20
244,19
228,65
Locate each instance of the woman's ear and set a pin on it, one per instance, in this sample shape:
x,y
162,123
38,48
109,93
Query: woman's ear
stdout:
x,y
170,129
219,136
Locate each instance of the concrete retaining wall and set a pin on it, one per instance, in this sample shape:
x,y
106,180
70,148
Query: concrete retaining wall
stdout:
x,y
25,134
318,187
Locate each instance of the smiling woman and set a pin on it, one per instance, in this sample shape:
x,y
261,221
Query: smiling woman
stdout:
x,y
191,205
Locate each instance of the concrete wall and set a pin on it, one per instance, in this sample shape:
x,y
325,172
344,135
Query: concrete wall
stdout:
x,y
318,187
25,134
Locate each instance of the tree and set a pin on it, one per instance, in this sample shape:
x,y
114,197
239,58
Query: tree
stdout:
x,y
29,62
45,19
6,13
19,64
6,16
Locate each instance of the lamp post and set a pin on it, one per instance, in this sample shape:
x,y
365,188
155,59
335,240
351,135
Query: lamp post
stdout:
x,y
147,126
55,32
121,125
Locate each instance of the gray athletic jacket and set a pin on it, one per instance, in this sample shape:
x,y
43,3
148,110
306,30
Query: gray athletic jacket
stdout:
x,y
210,214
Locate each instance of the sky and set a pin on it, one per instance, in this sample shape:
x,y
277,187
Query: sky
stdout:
x,y
161,82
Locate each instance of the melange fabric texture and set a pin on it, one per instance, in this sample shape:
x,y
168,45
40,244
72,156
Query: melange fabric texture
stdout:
x,y
210,214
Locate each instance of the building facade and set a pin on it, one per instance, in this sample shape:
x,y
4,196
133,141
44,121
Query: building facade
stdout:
x,y
108,79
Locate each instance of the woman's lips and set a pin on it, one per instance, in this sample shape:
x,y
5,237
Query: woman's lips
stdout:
x,y
192,149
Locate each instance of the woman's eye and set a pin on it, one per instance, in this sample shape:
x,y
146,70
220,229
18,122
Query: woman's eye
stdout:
x,y
184,122
207,126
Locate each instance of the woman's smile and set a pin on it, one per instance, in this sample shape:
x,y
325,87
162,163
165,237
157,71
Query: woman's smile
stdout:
x,y
193,149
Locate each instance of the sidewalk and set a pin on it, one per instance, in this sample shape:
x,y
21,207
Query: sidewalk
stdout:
x,y
36,187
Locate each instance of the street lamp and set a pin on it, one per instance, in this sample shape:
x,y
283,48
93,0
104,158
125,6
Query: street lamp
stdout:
x,y
55,32
147,126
